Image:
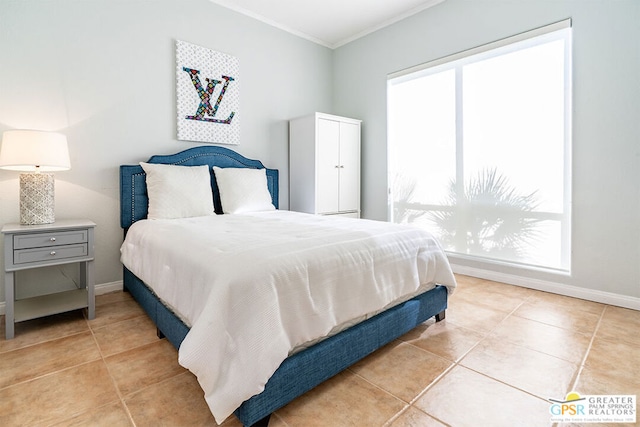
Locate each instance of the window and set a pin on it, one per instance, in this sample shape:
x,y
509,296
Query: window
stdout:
x,y
479,149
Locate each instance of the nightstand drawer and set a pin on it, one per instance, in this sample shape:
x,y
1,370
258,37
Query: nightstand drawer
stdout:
x,y
25,256
39,240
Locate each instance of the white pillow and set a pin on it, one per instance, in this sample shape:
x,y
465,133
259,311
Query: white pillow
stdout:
x,y
178,191
243,190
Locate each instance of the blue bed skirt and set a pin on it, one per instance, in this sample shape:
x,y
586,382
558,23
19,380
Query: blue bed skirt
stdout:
x,y
308,368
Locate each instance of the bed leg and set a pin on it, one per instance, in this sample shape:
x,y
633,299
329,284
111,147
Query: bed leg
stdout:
x,y
159,333
262,423
440,316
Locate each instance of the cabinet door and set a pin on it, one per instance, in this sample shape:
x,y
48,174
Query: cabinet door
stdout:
x,y
349,182
328,157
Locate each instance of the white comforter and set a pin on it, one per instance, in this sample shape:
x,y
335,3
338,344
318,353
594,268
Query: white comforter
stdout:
x,y
254,287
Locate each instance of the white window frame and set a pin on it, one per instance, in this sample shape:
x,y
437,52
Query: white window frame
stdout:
x,y
500,47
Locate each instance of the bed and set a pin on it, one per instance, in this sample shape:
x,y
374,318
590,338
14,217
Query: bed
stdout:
x,y
309,363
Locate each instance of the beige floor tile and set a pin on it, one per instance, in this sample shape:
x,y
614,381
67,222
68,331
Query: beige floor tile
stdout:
x,y
401,369
116,312
558,315
232,421
51,356
56,397
110,415
143,366
344,400
413,417
620,324
592,381
529,370
125,335
465,293
494,300
619,359
274,421
563,343
466,398
52,373
494,295
473,316
444,339
623,316
568,302
487,291
506,289
113,297
43,329
178,401
464,281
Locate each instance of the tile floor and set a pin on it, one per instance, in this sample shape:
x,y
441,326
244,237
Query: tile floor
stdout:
x,y
499,355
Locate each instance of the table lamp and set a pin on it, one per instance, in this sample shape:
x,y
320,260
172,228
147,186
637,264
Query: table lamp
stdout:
x,y
35,152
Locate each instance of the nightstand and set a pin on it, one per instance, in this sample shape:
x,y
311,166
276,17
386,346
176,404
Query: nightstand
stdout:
x,y
33,246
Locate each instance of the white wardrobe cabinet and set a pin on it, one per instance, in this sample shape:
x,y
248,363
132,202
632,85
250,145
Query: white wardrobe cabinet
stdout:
x,y
324,165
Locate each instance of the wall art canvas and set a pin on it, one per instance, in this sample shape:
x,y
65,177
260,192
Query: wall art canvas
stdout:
x,y
208,95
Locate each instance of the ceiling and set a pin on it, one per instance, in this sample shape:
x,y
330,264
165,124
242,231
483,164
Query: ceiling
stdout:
x,y
330,23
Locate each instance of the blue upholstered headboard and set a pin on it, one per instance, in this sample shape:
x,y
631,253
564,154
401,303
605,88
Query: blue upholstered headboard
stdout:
x,y
134,201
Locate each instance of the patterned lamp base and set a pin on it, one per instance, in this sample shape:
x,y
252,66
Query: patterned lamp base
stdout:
x,y
36,198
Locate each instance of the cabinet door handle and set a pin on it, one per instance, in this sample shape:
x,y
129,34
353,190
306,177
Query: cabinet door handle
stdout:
x,y
53,253
53,239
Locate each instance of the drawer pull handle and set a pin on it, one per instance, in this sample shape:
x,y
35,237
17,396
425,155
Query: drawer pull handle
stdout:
x,y
53,253
53,239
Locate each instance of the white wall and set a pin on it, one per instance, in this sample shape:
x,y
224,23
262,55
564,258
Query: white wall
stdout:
x,y
103,73
606,119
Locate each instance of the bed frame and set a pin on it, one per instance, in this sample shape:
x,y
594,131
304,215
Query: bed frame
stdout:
x,y
302,371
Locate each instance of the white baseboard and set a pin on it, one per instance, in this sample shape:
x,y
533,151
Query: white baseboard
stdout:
x,y
553,287
103,288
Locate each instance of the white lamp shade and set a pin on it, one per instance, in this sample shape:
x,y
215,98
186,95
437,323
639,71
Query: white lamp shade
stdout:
x,y
23,150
